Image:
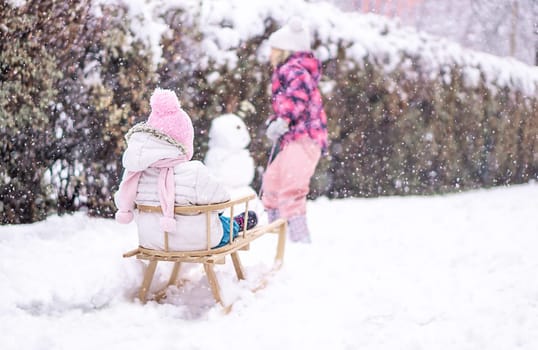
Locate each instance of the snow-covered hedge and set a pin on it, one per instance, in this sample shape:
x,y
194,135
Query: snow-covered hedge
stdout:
x,y
71,81
408,113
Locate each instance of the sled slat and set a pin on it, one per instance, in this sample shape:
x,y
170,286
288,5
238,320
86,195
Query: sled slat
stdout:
x,y
131,253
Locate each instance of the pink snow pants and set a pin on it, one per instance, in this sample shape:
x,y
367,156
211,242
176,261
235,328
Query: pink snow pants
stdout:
x,y
286,181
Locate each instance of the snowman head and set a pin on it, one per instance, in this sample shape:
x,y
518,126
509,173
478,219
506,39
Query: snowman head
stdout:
x,y
228,131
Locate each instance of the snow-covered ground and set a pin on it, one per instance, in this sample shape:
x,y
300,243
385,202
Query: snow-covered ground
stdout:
x,y
446,272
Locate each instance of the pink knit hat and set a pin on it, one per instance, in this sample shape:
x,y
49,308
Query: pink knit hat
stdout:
x,y
168,118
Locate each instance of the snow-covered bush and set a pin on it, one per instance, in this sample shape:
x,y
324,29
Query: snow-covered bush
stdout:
x,y
120,81
429,135
408,113
71,82
32,46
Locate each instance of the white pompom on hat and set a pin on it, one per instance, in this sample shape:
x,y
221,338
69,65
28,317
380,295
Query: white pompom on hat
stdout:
x,y
294,36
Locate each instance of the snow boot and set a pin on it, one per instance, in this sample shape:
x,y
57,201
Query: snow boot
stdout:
x,y
298,229
252,220
272,215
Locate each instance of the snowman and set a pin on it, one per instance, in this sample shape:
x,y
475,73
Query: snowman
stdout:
x,y
229,159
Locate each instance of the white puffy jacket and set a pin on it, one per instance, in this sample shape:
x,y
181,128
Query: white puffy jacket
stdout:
x,y
193,185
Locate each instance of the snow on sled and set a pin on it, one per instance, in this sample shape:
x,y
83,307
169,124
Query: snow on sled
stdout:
x,y
210,256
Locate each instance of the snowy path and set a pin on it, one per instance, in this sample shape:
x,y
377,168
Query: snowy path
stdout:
x,y
447,272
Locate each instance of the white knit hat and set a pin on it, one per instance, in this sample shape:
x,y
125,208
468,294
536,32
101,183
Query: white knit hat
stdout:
x,y
294,36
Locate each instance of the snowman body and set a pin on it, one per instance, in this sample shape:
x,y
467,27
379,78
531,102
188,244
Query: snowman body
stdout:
x,y
232,168
227,156
229,159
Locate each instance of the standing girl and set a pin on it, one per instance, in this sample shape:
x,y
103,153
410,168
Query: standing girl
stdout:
x,y
298,127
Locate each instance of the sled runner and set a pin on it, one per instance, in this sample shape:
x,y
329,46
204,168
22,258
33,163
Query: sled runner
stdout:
x,y
209,257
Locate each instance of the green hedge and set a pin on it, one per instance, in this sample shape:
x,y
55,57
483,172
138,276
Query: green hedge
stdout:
x,y
389,134
427,136
72,84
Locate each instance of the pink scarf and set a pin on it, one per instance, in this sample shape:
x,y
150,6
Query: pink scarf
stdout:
x,y
167,193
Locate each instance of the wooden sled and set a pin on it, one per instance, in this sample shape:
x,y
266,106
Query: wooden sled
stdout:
x,y
207,257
